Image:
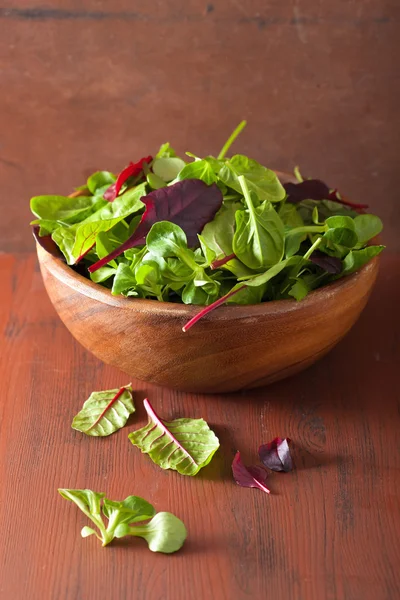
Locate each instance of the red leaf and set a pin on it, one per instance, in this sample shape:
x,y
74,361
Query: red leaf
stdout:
x,y
314,189
190,203
131,170
249,476
276,455
207,309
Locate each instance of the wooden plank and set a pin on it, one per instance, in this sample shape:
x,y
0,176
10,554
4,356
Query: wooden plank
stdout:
x,y
329,530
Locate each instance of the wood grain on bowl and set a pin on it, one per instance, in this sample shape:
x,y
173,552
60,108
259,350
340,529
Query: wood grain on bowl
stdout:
x,y
233,348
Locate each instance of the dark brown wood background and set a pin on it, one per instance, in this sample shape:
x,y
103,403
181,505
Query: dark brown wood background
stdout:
x,y
91,84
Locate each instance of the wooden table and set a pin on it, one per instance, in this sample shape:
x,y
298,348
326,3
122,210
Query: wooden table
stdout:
x,y
328,530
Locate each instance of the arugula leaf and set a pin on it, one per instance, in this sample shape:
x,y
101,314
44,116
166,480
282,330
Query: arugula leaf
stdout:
x,y
357,258
249,476
185,445
259,179
105,412
259,237
189,204
164,532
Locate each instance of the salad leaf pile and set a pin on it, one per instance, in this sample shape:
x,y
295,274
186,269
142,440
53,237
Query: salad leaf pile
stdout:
x,y
206,231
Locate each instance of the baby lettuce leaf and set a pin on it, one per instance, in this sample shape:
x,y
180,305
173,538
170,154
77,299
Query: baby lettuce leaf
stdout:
x,y
199,169
97,181
185,445
132,170
218,233
253,477
167,168
105,412
355,259
164,532
259,237
276,455
259,179
189,203
367,227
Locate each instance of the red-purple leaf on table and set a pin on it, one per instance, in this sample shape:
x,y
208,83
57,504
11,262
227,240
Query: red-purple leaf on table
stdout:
x,y
47,243
249,476
131,170
315,189
190,203
330,264
276,455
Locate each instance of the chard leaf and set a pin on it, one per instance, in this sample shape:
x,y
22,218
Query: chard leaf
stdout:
x,y
185,445
249,476
315,189
276,455
63,208
165,532
357,258
167,168
259,179
105,412
190,204
132,170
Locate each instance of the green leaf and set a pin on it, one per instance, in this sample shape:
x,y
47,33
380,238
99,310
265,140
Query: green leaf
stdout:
x,y
64,237
124,280
130,510
185,445
105,412
299,290
290,216
259,179
218,233
165,151
86,500
367,227
259,237
154,181
273,271
357,258
199,169
165,533
63,208
87,531
102,274
167,169
100,180
166,239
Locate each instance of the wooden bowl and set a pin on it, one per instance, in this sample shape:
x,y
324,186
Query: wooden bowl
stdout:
x,y
232,348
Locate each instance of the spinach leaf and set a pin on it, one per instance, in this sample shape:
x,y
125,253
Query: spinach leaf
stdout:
x,y
63,208
367,227
259,237
259,179
185,445
163,533
357,258
218,233
199,169
105,412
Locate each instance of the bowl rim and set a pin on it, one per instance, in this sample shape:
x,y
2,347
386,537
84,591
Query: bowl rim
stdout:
x,y
65,274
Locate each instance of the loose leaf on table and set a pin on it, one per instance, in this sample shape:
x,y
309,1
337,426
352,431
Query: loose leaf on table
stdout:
x,y
252,477
276,455
185,445
355,259
132,170
163,533
259,179
190,204
105,412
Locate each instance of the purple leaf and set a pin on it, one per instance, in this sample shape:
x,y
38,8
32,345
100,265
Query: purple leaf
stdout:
x,y
47,243
330,264
131,170
249,476
315,189
190,203
276,455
